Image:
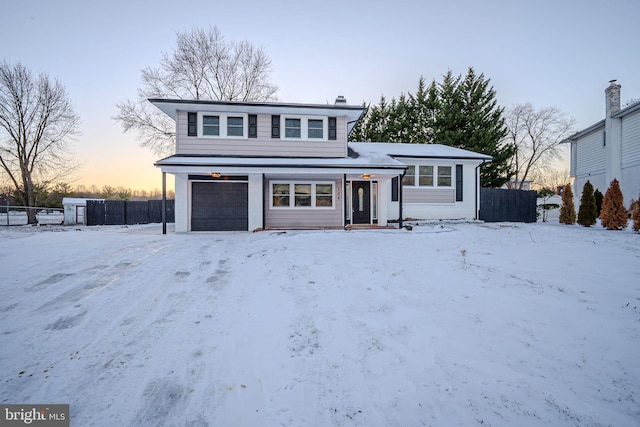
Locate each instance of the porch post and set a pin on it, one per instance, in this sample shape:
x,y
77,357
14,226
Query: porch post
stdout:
x,y
164,202
400,201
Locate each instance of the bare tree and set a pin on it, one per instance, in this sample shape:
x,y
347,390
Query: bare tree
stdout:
x,y
203,65
536,136
37,122
549,177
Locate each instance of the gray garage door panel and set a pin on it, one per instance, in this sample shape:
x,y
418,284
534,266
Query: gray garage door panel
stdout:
x,y
219,206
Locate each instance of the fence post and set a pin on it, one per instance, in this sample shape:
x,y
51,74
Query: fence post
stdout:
x,y
7,211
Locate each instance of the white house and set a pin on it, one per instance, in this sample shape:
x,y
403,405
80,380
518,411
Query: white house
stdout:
x,y
609,149
254,165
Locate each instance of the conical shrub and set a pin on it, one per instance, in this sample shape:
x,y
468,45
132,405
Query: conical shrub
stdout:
x,y
635,215
598,196
614,215
568,210
587,213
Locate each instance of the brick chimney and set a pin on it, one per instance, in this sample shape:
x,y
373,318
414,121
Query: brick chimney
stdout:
x,y
612,97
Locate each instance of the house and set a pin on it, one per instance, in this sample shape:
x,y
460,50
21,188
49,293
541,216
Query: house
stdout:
x,y
255,165
609,149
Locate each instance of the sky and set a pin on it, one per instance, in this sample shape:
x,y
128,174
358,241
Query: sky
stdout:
x,y
550,52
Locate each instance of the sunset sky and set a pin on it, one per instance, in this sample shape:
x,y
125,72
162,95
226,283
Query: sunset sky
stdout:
x,y
547,52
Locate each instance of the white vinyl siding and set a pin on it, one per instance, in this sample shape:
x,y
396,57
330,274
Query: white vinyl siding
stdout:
x,y
631,140
590,154
430,195
263,145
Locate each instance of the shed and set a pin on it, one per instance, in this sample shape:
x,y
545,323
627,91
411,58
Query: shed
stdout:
x,y
75,209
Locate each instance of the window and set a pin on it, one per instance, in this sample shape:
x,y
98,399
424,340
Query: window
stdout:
x,y
235,126
409,177
324,195
444,176
303,128
316,129
280,195
222,126
292,128
425,176
305,195
211,125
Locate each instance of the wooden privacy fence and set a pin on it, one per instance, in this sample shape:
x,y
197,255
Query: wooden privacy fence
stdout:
x,y
121,212
500,205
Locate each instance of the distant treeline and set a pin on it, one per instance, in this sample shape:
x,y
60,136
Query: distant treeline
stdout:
x,y
50,196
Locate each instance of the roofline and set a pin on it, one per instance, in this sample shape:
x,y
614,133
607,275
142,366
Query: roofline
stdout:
x,y
283,166
625,111
486,157
255,104
594,127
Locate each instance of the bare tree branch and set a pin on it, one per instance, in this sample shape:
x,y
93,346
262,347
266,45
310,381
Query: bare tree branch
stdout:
x,y
202,66
537,135
37,122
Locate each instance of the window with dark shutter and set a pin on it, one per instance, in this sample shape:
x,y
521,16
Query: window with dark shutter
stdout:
x,y
192,124
333,127
253,126
275,126
394,188
458,183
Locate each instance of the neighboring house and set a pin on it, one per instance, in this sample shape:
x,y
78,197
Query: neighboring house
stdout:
x,y
609,149
514,184
251,165
75,210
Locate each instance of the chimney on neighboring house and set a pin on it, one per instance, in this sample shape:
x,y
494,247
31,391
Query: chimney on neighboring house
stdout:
x,y
341,100
612,96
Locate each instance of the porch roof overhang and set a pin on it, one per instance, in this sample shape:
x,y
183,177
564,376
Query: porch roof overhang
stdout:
x,y
417,151
274,165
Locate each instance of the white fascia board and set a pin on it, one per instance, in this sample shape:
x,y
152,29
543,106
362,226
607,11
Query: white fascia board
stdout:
x,y
230,170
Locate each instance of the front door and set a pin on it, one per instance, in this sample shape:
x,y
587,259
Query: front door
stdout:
x,y
361,202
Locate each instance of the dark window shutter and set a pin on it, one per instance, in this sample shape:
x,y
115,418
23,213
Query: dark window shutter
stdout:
x,y
275,126
192,124
253,126
333,128
394,188
458,183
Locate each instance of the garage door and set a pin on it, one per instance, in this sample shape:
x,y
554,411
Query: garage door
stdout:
x,y
219,206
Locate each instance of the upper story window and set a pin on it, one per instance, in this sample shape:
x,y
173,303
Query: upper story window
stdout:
x,y
292,128
316,129
222,125
211,125
304,128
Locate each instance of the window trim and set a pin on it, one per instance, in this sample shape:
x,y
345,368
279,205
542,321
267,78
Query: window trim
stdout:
x,y
292,202
436,175
304,127
223,125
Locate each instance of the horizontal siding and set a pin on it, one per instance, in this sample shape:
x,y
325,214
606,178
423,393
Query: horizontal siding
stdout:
x,y
285,218
428,195
263,145
590,154
631,139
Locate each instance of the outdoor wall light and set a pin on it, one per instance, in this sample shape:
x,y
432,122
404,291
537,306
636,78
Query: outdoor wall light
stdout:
x,y
366,176
215,174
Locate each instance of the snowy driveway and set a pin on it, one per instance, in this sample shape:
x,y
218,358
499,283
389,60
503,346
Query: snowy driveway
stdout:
x,y
452,324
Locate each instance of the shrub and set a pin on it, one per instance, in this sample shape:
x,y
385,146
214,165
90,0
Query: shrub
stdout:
x,y
614,215
568,210
587,213
635,215
598,196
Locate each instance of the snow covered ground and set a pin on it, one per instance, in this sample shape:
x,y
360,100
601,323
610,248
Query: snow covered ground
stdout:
x,y
452,324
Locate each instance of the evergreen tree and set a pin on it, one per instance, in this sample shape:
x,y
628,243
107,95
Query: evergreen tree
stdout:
x,y
587,212
614,215
568,210
598,196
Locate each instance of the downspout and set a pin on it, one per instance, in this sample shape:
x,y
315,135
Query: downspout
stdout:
x,y
478,188
344,201
265,191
